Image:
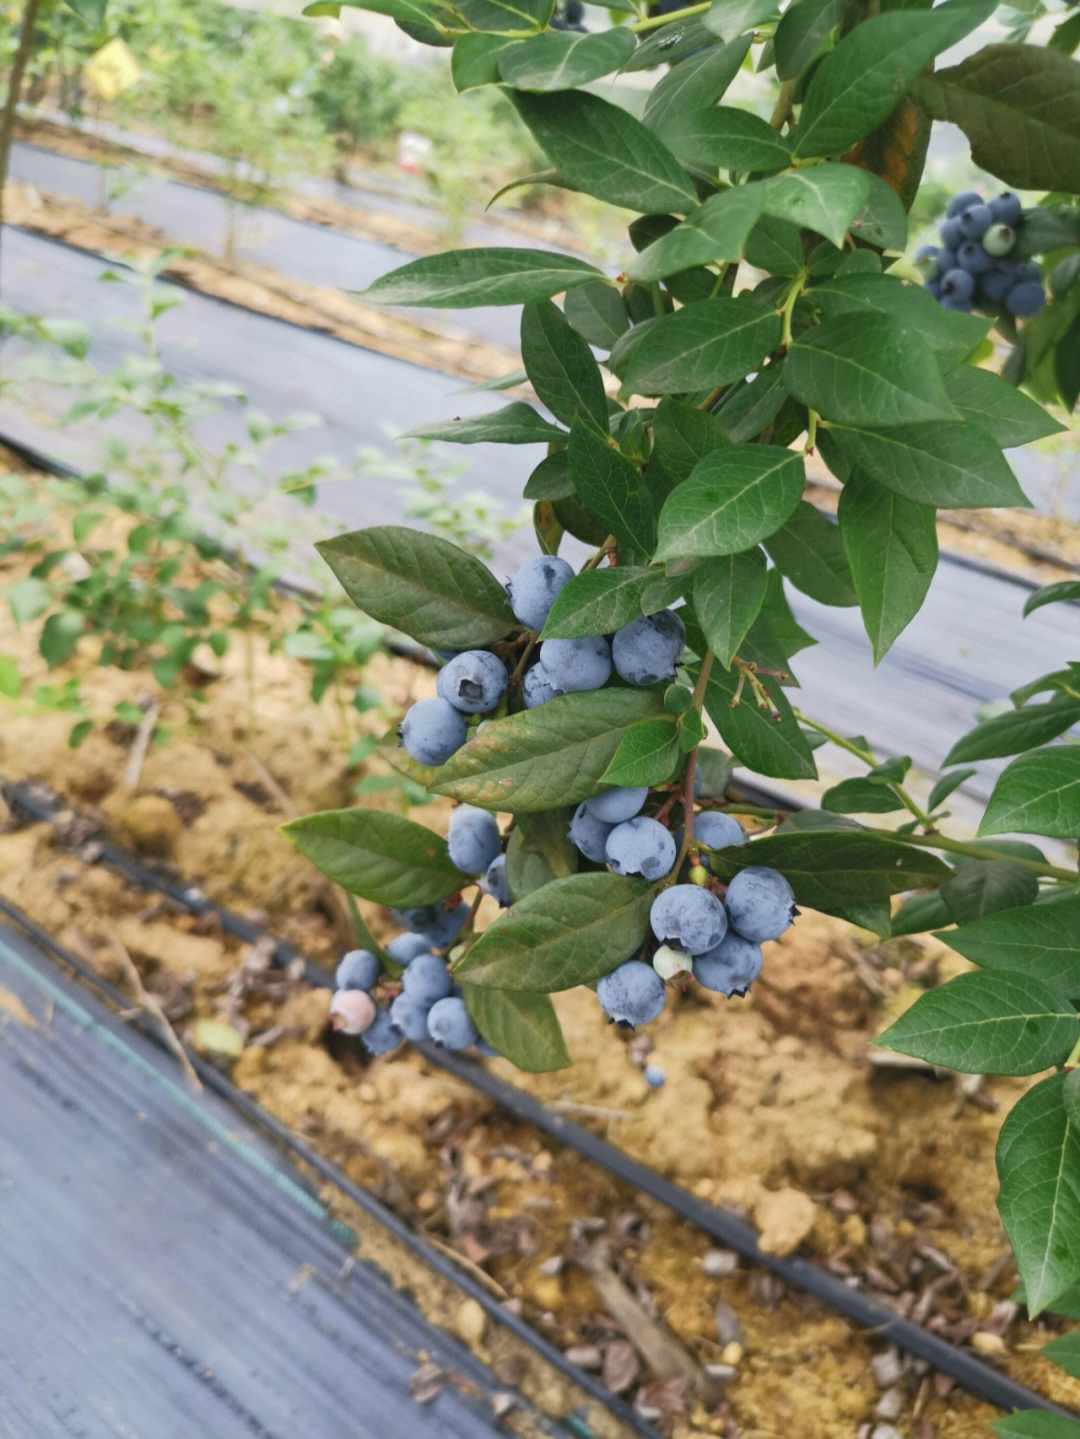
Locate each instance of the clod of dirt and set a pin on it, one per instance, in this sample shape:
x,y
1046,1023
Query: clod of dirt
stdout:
x,y
785,1218
147,823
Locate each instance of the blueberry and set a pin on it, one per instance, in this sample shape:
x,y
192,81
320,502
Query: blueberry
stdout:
x,y
641,846
614,806
946,261
473,682
634,993
973,258
961,202
760,904
438,926
538,687
473,839
933,287
588,834
351,1011
716,831
495,882
406,947
359,969
577,665
533,589
669,962
648,648
448,1023
947,302
410,1014
999,240
654,1076
689,918
995,284
426,980
432,731
1006,208
957,285
383,1034
951,234
1025,299
975,220
731,967
927,260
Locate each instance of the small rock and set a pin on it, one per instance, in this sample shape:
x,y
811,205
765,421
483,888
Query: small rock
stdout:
x,y
146,822
728,1328
720,1373
470,1322
891,1404
552,1267
719,1263
732,1354
854,1231
983,1341
887,1368
784,1217
585,1356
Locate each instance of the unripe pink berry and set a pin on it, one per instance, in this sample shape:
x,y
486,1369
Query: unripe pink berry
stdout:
x,y
351,1011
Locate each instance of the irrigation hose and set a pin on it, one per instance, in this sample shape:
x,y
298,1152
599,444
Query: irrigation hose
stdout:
x,y
971,1373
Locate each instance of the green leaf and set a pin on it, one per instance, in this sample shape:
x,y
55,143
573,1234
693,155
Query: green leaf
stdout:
x,y
551,479
945,786
767,746
648,755
751,405
1040,940
700,79
514,424
1038,1164
1064,1351
710,343
861,82
494,276
59,637
891,545
379,856
28,598
1065,591
1017,730
423,16
507,17
90,12
475,60
809,550
551,755
728,593
714,771
717,230
775,246
10,678
862,795
1007,415
732,18
720,137
1034,1423
521,1024
881,221
822,198
917,915
952,336
570,932
1038,793
802,32
987,1023
563,59
597,313
683,435
597,602
776,612
420,584
538,851
611,488
1019,106
604,151
945,463
981,887
735,497
560,365
866,369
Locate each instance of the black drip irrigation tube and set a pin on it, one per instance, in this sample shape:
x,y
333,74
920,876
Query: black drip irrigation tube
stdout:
x,y
971,1373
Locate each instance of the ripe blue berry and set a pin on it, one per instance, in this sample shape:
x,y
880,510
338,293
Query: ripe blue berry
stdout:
x,y
588,834
654,1076
614,806
995,284
533,589
538,687
473,682
448,1023
473,839
689,918
731,967
716,831
633,994
577,665
927,260
760,904
1025,299
1006,208
975,220
405,947
432,731
410,1016
972,257
382,1035
641,846
426,980
961,202
495,882
359,969
958,285
951,234
438,926
648,648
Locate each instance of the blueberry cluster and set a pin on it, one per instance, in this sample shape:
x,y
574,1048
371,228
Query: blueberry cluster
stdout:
x,y
976,265
428,1004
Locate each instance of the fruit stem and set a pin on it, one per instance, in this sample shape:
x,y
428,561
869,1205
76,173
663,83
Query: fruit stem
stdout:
x,y
794,291
672,18
977,851
868,758
519,668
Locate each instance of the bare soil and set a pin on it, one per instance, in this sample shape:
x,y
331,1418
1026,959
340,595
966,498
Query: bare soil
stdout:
x,y
771,1103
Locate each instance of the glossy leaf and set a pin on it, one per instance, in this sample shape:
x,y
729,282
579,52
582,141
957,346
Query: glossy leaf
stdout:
x,y
379,856
420,584
564,59
1017,730
521,1024
1040,940
611,488
717,230
1003,411
514,424
822,198
700,79
597,313
944,463
728,593
495,276
710,343
538,851
475,60
982,887
720,137
560,365
769,746
736,496
683,435
648,754
1038,793
809,550
597,602
802,32
506,17
570,932
951,335
1064,592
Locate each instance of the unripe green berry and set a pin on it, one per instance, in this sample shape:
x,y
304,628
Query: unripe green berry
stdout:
x,y
669,962
698,875
999,240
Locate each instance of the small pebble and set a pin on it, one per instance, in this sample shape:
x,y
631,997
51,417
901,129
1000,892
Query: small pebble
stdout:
x,y
891,1404
732,1354
728,1328
719,1263
654,1076
720,1373
887,1368
885,1431
985,1341
470,1322
585,1356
